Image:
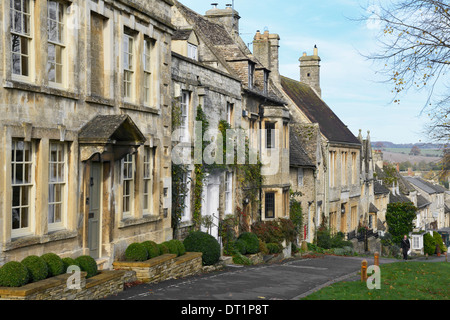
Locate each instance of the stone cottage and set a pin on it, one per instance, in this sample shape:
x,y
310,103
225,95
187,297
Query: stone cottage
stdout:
x,y
85,127
338,168
254,108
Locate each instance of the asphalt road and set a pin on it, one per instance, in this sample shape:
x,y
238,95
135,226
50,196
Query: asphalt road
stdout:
x,y
289,280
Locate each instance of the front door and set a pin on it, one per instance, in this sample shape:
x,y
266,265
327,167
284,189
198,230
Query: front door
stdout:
x,y
94,210
210,210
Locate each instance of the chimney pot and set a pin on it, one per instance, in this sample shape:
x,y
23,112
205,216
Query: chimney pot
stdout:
x,y
214,5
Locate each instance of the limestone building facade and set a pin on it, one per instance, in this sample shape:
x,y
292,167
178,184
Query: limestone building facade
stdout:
x,y
85,126
256,109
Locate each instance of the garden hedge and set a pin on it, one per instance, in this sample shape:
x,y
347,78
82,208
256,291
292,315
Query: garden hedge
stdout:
x,y
54,263
87,264
13,274
198,241
251,242
37,268
136,252
152,249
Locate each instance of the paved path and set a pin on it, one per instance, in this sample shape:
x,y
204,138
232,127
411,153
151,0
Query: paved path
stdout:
x,y
281,281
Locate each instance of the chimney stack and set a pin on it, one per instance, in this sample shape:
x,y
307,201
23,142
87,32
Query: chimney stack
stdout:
x,y
227,17
310,70
266,50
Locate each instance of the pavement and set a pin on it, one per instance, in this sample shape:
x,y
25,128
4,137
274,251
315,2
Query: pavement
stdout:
x,y
287,280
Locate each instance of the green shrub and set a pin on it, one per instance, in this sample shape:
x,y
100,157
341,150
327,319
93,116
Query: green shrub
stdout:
x,y
251,242
180,247
241,259
13,274
324,238
263,247
37,268
69,262
339,251
198,241
173,249
136,252
54,263
240,246
274,248
163,249
429,244
87,264
439,242
152,249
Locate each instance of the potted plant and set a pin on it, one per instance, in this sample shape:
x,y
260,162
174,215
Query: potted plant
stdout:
x,y
438,250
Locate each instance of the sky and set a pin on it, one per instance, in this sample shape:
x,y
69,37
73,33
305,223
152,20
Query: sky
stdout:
x,y
350,84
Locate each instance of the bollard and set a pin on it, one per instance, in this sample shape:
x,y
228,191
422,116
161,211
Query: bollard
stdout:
x,y
363,271
377,259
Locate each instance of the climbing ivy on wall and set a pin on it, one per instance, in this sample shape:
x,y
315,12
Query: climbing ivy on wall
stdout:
x,y
199,171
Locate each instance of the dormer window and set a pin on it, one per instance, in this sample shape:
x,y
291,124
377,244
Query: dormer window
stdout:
x,y
192,51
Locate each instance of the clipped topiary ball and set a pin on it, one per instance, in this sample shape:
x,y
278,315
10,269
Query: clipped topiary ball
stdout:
x,y
87,264
152,248
173,249
198,241
251,241
136,252
163,249
54,263
37,268
13,274
69,262
180,246
240,246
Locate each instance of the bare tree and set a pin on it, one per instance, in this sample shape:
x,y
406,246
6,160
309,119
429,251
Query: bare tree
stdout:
x,y
414,54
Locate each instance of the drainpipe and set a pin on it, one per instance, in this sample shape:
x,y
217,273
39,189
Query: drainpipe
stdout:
x,y
261,115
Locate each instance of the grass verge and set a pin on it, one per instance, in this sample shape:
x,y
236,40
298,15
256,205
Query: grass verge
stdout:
x,y
399,281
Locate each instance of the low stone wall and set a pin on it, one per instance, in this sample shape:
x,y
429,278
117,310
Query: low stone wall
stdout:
x,y
374,245
55,288
164,267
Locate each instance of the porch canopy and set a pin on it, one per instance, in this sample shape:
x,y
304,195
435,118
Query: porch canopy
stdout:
x,y
109,137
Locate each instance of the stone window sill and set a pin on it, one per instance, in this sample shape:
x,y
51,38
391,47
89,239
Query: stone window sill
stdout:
x,y
129,222
21,242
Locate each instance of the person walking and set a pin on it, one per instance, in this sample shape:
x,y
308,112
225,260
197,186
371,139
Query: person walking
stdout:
x,y
405,247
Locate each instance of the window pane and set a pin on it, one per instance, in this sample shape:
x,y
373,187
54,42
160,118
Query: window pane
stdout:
x,y
52,30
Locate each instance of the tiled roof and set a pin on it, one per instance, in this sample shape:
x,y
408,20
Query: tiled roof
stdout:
x,y
109,128
422,202
297,154
378,188
425,185
318,111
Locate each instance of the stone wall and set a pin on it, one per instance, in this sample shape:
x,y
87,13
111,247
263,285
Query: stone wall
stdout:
x,y
104,284
165,267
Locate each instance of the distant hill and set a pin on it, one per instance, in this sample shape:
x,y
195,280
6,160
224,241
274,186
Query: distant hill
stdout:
x,y
391,145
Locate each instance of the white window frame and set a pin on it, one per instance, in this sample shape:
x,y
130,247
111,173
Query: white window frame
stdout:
x,y
148,179
28,186
57,43
24,34
185,214
228,192
129,63
251,74
147,57
185,112
60,181
230,113
300,177
128,165
192,50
